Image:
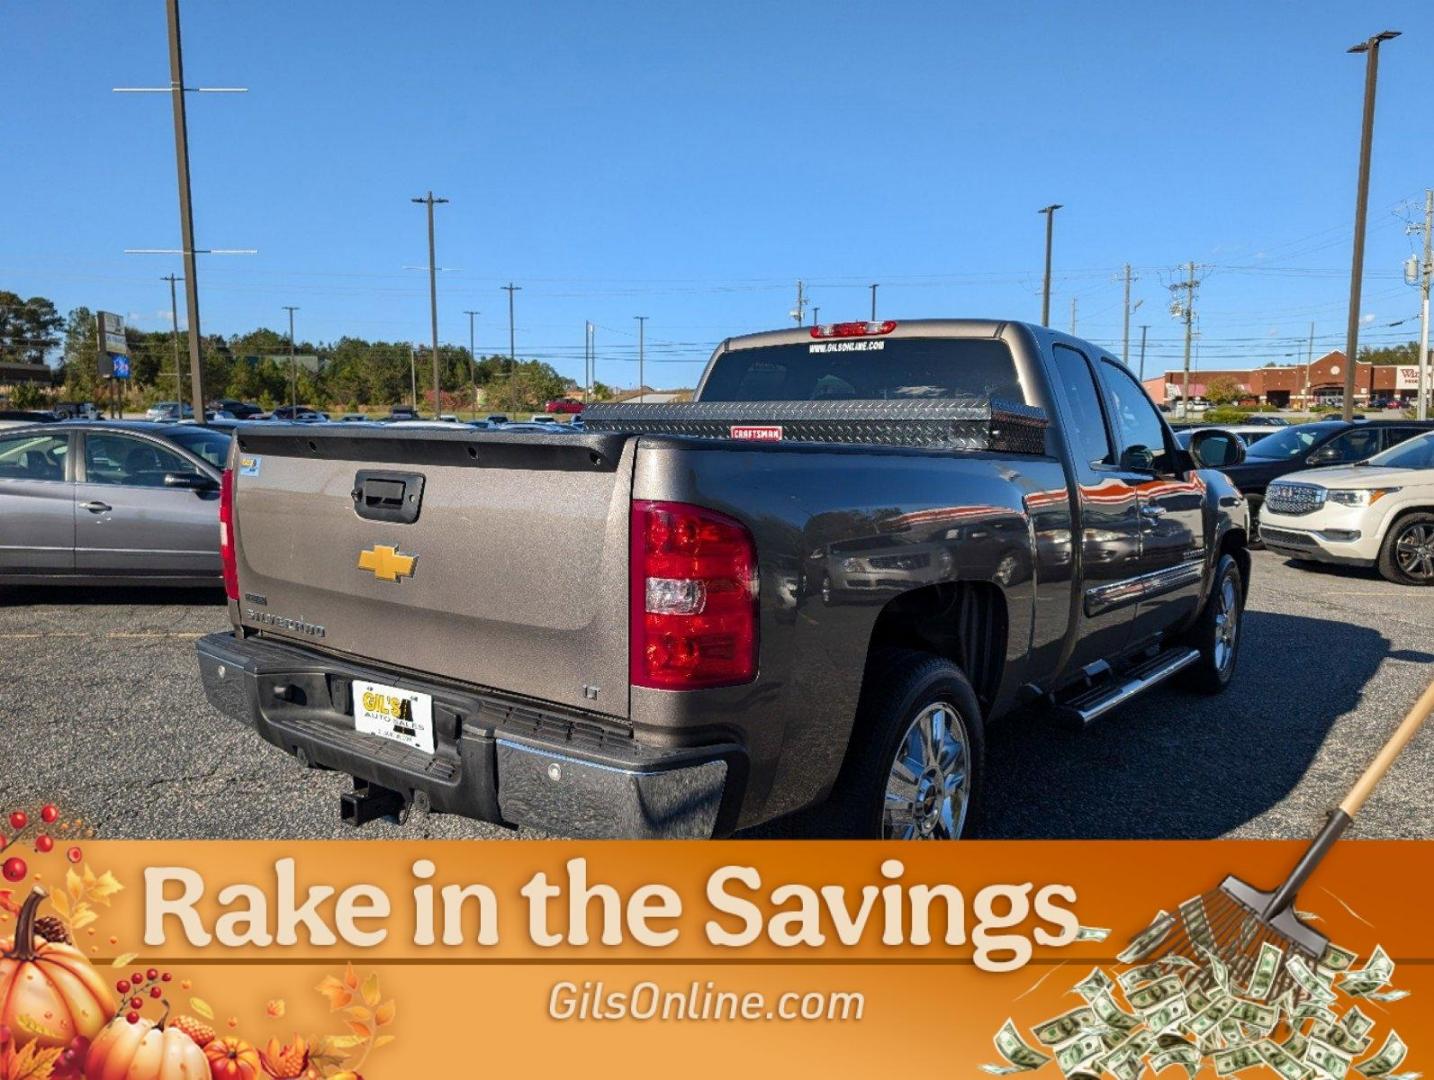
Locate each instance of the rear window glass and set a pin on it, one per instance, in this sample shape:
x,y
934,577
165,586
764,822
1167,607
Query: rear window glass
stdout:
x,y
866,369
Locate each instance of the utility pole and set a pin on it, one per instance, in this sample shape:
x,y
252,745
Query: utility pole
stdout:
x,y
641,356
510,288
816,315
873,302
1186,310
293,368
186,211
1361,207
1143,328
472,361
1073,315
174,335
1309,364
1125,348
1050,212
799,312
429,201
1421,277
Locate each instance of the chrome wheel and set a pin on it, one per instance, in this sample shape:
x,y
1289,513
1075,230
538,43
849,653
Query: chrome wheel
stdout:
x,y
929,786
1414,551
1227,623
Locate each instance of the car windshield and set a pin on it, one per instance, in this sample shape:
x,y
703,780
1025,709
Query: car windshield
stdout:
x,y
211,445
1291,442
866,369
1417,453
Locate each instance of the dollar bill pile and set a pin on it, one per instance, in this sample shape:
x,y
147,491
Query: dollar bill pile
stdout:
x,y
1196,1012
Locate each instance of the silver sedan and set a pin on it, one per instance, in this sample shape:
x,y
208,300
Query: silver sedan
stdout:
x,y
111,502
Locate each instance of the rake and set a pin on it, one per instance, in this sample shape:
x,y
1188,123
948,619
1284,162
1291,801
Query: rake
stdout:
x,y
1234,921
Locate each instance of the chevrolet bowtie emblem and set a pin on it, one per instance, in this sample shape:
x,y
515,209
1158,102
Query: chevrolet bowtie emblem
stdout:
x,y
386,562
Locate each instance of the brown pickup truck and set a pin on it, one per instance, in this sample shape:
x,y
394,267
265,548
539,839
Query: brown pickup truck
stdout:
x,y
813,588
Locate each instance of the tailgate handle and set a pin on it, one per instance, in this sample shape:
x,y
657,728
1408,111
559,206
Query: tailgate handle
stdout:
x,y
380,495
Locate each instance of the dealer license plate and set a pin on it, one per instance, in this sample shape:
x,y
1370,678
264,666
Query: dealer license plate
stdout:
x,y
394,713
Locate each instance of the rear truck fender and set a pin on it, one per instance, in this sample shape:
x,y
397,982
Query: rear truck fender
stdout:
x,y
795,719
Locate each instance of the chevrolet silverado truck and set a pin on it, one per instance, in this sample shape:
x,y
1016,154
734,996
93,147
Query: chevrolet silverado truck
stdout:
x,y
810,591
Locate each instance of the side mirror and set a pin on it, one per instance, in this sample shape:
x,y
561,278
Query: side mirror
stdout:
x,y
189,481
1216,449
1137,459
1323,455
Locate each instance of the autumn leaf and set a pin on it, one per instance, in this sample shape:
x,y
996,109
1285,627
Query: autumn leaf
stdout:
x,y
7,902
384,1014
383,1040
84,915
74,885
371,993
61,903
103,888
333,1046
123,960
338,994
363,1031
202,1007
33,1063
351,979
276,1008
359,1013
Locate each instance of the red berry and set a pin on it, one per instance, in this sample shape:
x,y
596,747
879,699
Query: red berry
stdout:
x,y
166,977
122,986
43,844
74,854
155,991
132,1017
49,813
136,1003
14,869
19,819
152,974
137,978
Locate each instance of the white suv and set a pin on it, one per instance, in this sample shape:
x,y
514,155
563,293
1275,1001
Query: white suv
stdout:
x,y
1378,512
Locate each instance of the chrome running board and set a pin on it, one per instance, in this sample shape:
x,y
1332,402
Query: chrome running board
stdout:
x,y
1088,706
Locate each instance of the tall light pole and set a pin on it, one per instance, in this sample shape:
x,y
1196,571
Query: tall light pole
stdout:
x,y
1143,328
1370,48
174,336
510,289
293,368
473,361
873,288
641,356
1420,272
429,201
1050,212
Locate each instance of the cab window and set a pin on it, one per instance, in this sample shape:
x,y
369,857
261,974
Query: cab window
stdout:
x,y
33,457
1076,384
1142,434
128,462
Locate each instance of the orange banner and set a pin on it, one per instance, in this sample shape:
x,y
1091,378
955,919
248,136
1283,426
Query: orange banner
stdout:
x,y
396,959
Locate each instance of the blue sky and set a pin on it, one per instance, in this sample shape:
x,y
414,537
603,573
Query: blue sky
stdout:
x,y
689,162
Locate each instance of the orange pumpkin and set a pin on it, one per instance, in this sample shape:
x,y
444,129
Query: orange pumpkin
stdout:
x,y
232,1058
144,1051
49,994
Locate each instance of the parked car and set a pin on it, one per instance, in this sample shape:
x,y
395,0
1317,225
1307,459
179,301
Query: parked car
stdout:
x,y
76,410
239,410
10,418
169,410
111,502
1265,420
403,412
1301,446
353,418
497,418
1377,513
663,664
297,413
564,405
542,418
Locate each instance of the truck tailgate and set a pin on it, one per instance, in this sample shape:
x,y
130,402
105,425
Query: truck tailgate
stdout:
x,y
520,554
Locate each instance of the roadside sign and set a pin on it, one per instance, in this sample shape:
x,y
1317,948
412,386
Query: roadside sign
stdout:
x,y
114,348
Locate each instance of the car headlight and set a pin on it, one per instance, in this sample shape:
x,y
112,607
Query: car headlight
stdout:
x,y
851,566
1359,496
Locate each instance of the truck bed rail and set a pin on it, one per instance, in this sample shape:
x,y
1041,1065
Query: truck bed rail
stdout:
x,y
966,423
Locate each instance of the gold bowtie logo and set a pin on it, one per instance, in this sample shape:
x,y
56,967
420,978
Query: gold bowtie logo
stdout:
x,y
386,562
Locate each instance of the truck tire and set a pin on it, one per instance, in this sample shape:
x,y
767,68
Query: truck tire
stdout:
x,y
914,767
1407,555
1217,632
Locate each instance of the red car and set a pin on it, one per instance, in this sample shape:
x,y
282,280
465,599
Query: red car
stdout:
x,y
563,405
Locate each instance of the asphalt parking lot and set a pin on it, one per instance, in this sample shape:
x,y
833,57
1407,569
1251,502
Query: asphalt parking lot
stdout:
x,y
104,714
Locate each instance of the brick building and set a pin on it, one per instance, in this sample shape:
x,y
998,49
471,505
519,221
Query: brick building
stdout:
x,y
1296,385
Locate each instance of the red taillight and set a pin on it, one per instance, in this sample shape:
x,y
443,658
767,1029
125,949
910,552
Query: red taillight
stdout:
x,y
227,558
694,598
853,329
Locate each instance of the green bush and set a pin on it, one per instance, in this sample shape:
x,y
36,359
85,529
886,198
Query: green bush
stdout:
x,y
1225,414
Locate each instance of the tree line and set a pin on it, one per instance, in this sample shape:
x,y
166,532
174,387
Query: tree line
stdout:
x,y
353,373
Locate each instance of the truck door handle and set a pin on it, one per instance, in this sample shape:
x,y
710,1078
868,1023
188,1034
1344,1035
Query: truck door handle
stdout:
x,y
96,507
1152,511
